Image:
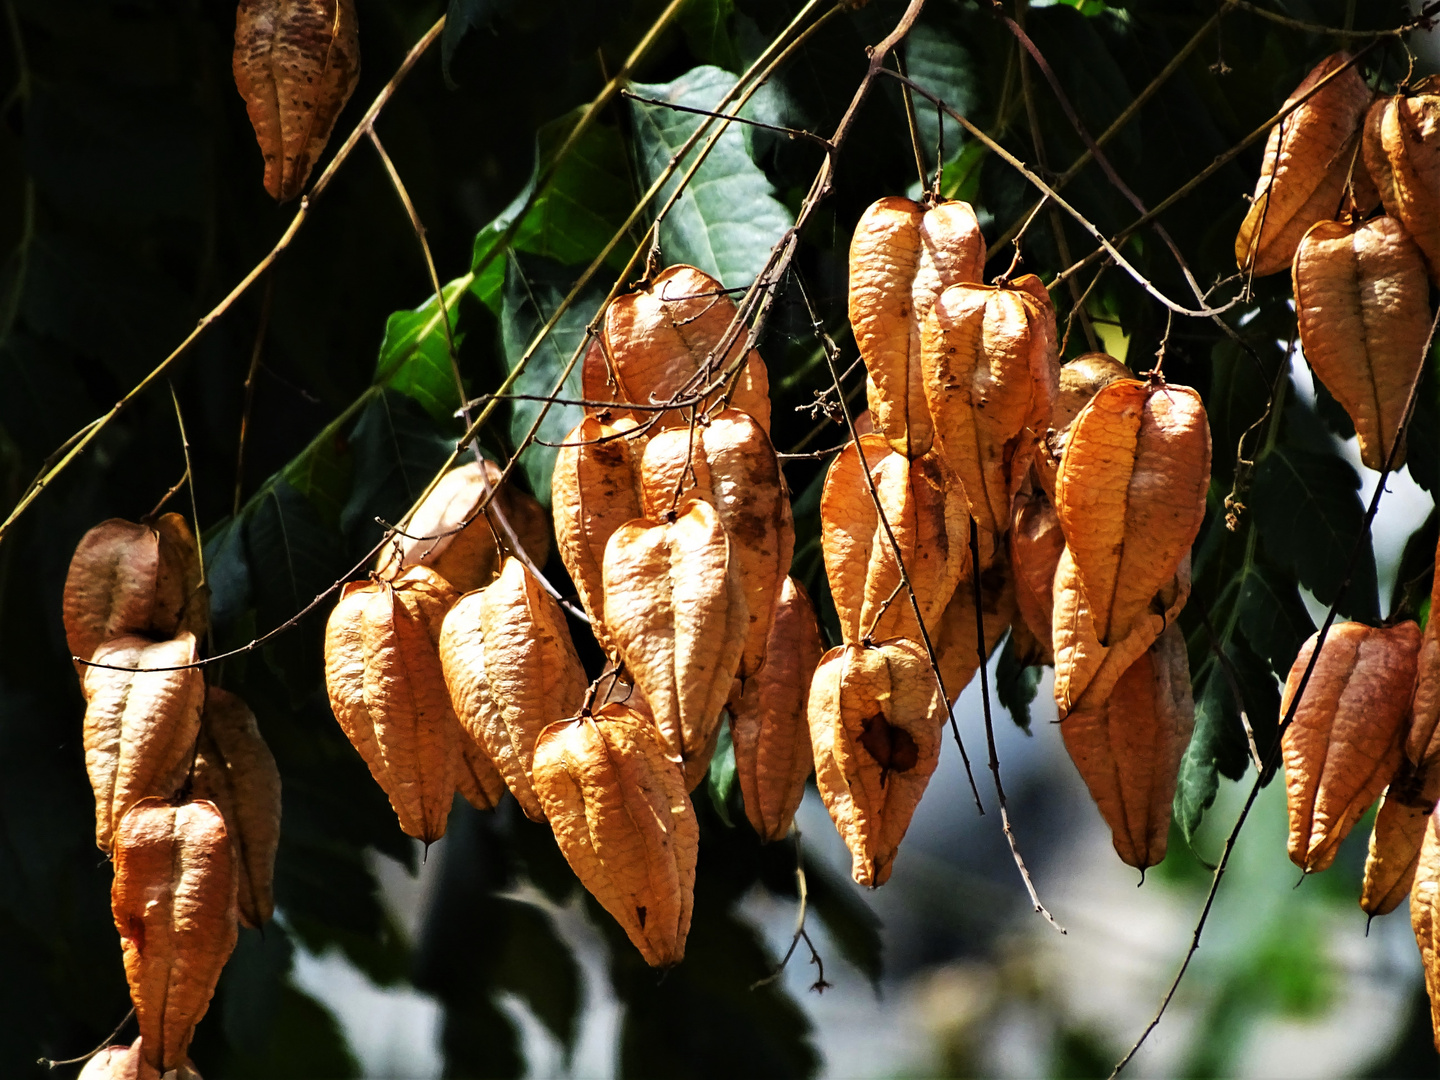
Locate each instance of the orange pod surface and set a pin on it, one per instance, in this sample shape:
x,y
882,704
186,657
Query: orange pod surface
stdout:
x,y
1396,838
1036,541
1422,746
955,638
1402,151
128,1063
1425,918
1080,380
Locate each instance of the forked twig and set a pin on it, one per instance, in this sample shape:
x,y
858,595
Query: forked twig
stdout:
x,y
801,934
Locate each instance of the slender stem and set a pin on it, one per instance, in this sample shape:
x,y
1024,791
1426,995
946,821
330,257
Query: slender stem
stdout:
x,y
256,351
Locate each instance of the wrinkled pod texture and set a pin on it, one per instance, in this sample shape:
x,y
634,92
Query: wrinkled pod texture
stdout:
x,y
1402,152
1080,380
128,1063
1396,837
1036,541
955,637
1425,918
1422,740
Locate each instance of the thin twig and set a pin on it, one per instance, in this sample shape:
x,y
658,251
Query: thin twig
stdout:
x,y
51,1063
190,476
803,889
256,351
789,132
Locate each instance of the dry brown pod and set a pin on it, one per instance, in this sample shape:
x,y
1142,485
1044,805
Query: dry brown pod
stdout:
x,y
140,723
128,1063
728,461
235,770
1402,151
955,637
1425,917
1345,741
902,256
598,384
1036,541
296,64
173,899
928,516
875,726
1396,837
990,376
1422,741
1309,156
594,489
1362,299
675,607
511,669
1127,747
387,690
768,722
129,578
624,823
1130,494
1080,380
661,336
465,555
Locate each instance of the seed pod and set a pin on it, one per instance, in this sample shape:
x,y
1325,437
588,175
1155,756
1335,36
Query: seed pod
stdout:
x,y
133,579
1396,837
1422,745
511,669
1345,741
174,904
598,383
991,376
1036,542
1085,670
235,770
1308,157
1363,304
1424,909
927,514
875,723
676,609
955,638
140,724
902,257
768,723
594,489
659,337
730,463
463,554
1402,152
1080,380
128,1063
387,690
296,64
624,823
1130,495
1127,747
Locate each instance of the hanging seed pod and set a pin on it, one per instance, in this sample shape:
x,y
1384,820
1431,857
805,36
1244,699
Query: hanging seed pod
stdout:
x,y
729,462
128,1063
768,723
1130,495
661,336
133,579
1308,158
1085,670
1363,304
1402,151
990,376
1127,747
1345,741
927,514
1036,542
1424,909
235,770
296,64
875,725
955,638
387,690
676,610
1396,838
449,533
1422,746
902,257
174,904
1080,380
594,489
140,724
598,383
511,669
624,823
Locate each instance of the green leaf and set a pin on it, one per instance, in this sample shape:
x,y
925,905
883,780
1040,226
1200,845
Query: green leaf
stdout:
x,y
936,60
720,780
460,17
706,25
396,450
1016,685
1416,573
727,219
1271,616
415,355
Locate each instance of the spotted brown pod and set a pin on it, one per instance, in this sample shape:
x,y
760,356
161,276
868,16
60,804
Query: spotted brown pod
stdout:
x,y
1402,151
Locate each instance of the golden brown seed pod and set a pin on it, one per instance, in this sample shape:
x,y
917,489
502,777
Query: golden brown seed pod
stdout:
x,y
990,376
875,725
902,257
1422,746
235,770
598,383
1036,542
511,669
661,336
1308,158
1130,495
1127,747
954,639
387,690
128,578
296,64
465,555
1396,837
140,724
928,515
624,823
128,1063
728,461
173,899
594,489
1424,909
1402,152
1080,380
1345,741
1363,304
675,606
768,723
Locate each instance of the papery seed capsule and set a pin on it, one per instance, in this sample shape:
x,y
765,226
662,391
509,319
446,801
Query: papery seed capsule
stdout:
x,y
1424,909
1402,151
1080,380
1036,541
955,636
1396,837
